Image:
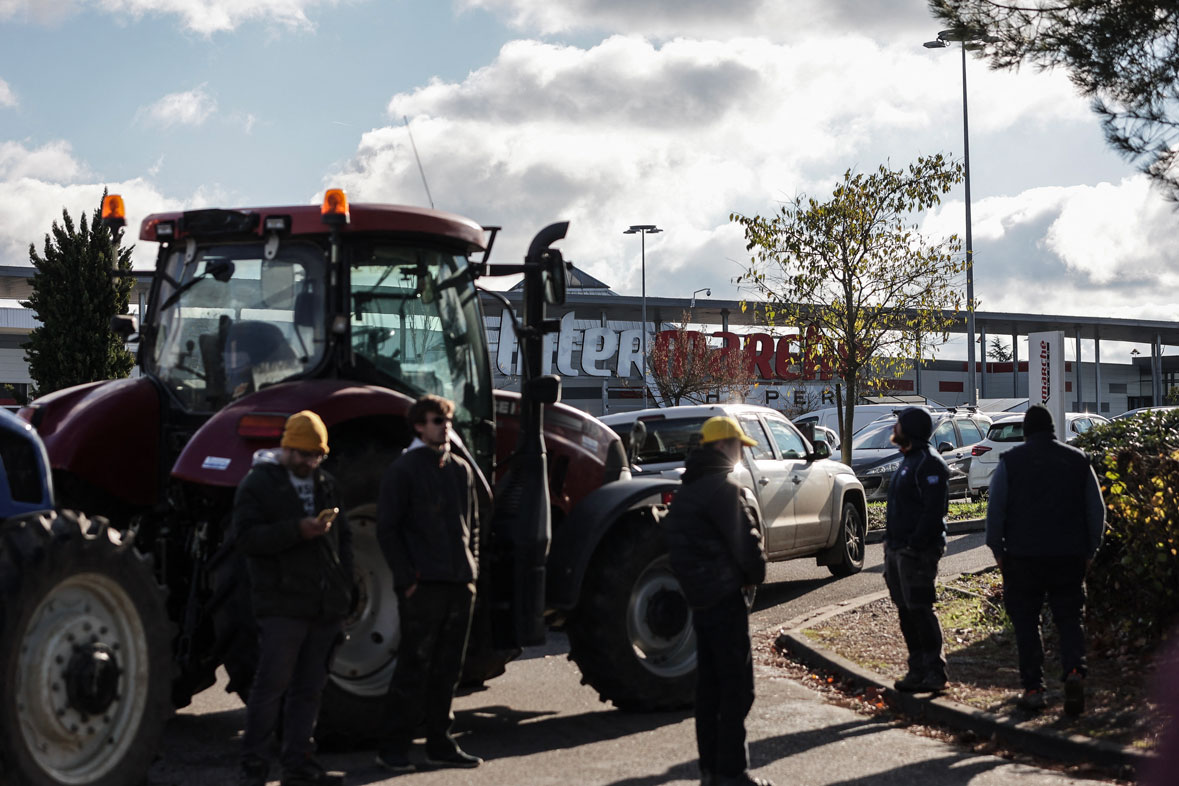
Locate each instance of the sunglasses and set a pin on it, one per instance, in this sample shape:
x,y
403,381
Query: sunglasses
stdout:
x,y
438,420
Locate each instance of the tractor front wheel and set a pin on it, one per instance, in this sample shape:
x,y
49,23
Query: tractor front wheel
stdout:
x,y
85,658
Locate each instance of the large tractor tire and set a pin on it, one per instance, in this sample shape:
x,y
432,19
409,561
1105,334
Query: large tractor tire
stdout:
x,y
85,658
631,634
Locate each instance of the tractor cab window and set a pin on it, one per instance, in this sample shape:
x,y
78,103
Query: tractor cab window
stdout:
x,y
230,321
417,327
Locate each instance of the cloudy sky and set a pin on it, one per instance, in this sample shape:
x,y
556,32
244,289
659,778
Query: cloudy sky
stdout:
x,y
604,113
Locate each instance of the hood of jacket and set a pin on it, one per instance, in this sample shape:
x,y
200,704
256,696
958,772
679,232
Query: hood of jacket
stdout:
x,y
705,461
916,424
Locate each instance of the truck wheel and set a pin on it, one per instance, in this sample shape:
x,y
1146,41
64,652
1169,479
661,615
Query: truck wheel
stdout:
x,y
852,534
632,635
85,658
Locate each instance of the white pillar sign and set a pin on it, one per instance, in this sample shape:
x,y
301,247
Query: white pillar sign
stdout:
x,y
1046,375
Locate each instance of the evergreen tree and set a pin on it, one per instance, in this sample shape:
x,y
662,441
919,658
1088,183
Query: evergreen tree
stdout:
x,y
76,290
1122,54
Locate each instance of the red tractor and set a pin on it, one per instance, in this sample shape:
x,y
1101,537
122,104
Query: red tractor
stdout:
x,y
354,312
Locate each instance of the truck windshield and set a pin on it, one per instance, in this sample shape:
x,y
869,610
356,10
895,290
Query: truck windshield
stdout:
x,y
231,321
417,326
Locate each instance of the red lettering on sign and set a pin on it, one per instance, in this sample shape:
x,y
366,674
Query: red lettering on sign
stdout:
x,y
760,348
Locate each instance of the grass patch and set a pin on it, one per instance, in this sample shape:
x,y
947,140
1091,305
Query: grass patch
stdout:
x,y
983,665
960,510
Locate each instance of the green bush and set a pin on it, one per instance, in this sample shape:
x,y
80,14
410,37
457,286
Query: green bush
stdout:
x,y
1134,580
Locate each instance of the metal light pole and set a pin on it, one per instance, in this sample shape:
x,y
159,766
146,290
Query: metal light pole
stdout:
x,y
970,40
643,230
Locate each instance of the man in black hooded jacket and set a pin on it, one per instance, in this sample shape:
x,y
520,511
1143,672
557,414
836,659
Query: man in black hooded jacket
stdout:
x,y
715,551
914,541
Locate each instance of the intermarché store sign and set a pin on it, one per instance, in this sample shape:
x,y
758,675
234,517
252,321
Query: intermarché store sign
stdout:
x,y
615,350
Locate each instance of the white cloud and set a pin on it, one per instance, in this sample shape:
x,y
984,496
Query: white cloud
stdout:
x,y
662,19
204,17
53,162
37,184
7,97
679,134
188,108
1103,250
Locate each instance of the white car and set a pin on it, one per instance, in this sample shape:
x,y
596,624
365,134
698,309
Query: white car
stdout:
x,y
807,504
1006,432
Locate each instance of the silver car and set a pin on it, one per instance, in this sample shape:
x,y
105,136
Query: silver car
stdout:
x,y
807,504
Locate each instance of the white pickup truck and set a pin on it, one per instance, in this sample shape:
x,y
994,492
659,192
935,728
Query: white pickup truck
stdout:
x,y
807,503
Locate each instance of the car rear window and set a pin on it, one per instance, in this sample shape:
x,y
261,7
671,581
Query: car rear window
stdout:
x,y
666,439
1006,432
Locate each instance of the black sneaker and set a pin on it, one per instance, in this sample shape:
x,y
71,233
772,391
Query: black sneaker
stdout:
x,y
1074,693
254,772
311,773
395,760
910,683
1032,700
453,757
931,682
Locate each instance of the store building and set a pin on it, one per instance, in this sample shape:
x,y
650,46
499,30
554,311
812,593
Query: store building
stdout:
x,y
598,351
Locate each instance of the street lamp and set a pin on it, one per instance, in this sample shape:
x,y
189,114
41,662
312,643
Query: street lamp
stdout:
x,y
971,40
706,291
643,230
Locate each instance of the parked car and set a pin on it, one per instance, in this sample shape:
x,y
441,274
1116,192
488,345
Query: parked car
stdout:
x,y
1005,433
1132,412
830,417
830,436
807,504
875,458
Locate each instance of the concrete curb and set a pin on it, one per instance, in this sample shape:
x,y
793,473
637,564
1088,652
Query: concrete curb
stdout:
x,y
1070,748
952,528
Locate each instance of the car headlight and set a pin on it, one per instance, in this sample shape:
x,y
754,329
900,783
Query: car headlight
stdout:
x,y
884,469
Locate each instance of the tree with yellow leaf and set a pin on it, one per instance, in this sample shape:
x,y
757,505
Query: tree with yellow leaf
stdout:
x,y
858,268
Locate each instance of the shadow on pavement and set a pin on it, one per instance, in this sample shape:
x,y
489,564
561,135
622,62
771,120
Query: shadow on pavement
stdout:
x,y
944,771
765,752
778,592
498,732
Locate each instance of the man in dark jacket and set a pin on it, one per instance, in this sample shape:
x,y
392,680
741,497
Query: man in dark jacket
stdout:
x,y
427,525
914,540
1045,520
715,551
288,522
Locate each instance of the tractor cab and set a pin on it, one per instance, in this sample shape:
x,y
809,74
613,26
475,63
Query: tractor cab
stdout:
x,y
244,300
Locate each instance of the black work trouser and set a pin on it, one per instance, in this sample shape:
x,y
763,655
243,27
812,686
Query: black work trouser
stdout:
x,y
1027,581
911,577
435,623
293,658
724,685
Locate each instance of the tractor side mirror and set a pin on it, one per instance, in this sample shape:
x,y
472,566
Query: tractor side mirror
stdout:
x,y
546,388
554,277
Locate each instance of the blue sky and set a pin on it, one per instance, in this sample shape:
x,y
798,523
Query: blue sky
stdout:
x,y
601,112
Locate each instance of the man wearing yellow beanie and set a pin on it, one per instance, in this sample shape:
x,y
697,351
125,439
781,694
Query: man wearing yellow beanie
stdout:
x,y
298,547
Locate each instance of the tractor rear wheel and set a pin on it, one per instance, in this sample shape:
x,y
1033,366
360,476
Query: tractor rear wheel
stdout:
x,y
85,654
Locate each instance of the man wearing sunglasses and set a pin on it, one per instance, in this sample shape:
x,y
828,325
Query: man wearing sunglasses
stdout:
x,y
427,525
298,549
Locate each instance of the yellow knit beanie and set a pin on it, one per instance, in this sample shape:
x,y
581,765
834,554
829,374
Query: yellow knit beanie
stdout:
x,y
305,431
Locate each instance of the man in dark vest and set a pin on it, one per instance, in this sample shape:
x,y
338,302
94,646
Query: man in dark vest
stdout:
x,y
914,541
1045,520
